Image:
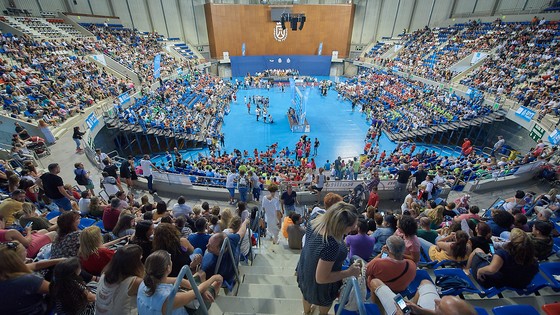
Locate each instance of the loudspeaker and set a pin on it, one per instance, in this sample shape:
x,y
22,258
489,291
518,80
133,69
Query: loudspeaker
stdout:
x,y
301,22
293,23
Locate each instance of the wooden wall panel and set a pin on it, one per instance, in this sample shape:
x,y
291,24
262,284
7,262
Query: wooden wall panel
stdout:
x,y
229,26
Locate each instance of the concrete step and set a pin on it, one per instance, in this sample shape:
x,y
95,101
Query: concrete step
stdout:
x,y
270,279
276,260
245,305
269,291
268,270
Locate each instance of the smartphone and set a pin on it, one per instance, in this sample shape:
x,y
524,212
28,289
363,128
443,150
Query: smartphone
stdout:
x,y
399,300
384,254
492,251
29,225
447,224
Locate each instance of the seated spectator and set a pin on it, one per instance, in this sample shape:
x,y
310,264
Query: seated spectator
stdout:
x,y
181,208
425,232
161,210
213,251
28,215
32,241
124,226
541,239
10,206
513,266
67,243
288,221
200,238
453,247
168,238
407,228
473,214
436,216
483,238
84,203
96,207
520,222
21,291
515,202
296,233
382,234
501,222
427,300
68,290
245,241
394,270
155,289
142,237
93,254
118,286
360,244
111,214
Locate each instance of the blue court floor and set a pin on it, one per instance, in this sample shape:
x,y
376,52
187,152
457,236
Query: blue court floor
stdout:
x,y
340,130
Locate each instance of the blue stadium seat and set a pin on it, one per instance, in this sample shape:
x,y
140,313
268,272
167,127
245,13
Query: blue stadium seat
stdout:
x,y
100,225
52,214
480,311
458,272
515,310
421,274
549,269
371,309
86,222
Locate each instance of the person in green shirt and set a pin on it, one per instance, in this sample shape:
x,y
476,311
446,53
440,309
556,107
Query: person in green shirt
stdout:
x,y
426,232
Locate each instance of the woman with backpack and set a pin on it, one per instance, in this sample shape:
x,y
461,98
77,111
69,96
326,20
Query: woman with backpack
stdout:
x,y
82,177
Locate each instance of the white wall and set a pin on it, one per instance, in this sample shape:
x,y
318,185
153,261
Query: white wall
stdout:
x,y
174,25
101,7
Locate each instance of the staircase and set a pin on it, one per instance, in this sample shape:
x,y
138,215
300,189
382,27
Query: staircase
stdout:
x,y
269,286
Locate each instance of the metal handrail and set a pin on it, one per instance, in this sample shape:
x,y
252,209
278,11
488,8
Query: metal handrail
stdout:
x,y
346,295
185,271
226,246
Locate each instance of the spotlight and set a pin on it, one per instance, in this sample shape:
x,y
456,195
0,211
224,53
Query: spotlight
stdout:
x,y
301,22
293,23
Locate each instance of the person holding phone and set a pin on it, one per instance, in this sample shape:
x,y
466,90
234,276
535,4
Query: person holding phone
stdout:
x,y
426,301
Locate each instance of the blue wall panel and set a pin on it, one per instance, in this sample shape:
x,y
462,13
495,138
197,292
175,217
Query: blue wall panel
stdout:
x,y
306,65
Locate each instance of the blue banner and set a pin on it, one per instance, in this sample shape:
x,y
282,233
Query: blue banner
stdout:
x,y
157,62
243,49
320,48
525,113
124,98
92,121
554,137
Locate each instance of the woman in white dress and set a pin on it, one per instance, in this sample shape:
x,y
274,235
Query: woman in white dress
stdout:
x,y
273,214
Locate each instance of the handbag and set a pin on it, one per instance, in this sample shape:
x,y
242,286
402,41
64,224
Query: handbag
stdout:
x,y
352,304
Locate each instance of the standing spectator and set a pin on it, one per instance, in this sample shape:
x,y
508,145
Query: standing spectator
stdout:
x,y
498,145
147,166
373,199
361,244
255,184
77,137
99,157
402,178
419,175
181,208
230,184
319,270
46,131
319,183
53,186
112,170
315,146
273,214
288,200
128,173
466,147
82,177
242,185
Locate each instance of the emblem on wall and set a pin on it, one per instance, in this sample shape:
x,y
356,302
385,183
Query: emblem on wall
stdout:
x,y
279,33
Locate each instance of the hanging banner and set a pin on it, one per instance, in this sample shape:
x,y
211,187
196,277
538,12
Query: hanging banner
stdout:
x,y
320,48
243,49
92,121
525,113
157,70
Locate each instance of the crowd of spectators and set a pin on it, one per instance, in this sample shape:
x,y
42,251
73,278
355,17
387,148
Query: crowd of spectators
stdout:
x,y
134,50
278,73
52,80
400,104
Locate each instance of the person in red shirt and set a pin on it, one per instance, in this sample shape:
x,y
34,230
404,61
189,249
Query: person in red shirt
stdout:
x,y
373,198
93,255
111,214
466,148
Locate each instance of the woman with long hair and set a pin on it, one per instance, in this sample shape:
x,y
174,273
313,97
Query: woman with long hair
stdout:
x,y
155,289
273,215
225,217
33,242
68,291
67,243
406,229
77,137
44,127
455,246
21,291
93,254
142,237
119,283
319,270
168,238
161,210
96,206
436,217
28,214
513,266
125,225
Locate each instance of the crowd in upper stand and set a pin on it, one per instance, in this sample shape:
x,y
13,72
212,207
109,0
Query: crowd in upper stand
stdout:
x,y
400,104
133,49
